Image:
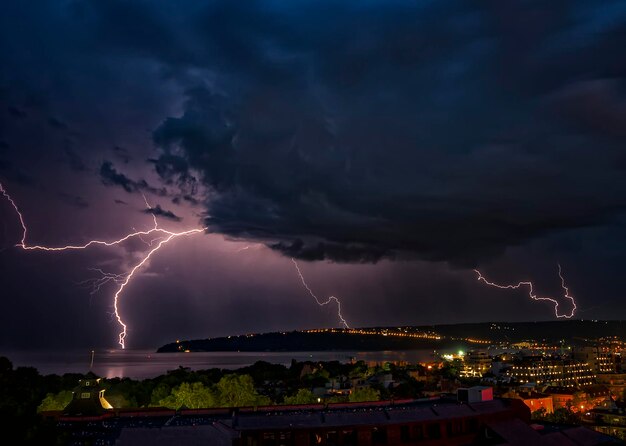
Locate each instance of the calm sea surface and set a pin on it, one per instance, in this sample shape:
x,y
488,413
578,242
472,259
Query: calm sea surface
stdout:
x,y
141,364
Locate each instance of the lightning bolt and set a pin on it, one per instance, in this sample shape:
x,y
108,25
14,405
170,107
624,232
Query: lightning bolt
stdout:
x,y
160,236
126,281
532,294
19,214
122,280
165,236
319,302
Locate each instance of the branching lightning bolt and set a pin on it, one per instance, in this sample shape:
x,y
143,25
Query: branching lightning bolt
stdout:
x,y
122,280
165,236
319,302
532,294
125,282
105,277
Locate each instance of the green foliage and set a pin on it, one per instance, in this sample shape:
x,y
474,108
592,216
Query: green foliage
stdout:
x,y
303,396
358,370
55,401
450,370
238,391
364,394
23,391
160,392
318,378
262,371
192,396
539,414
337,399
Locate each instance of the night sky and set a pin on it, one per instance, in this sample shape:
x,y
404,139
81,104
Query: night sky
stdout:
x,y
390,147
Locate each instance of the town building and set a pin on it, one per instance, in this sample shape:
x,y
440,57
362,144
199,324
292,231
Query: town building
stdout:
x,y
556,372
609,418
433,422
577,399
475,364
616,382
601,358
534,400
88,398
476,394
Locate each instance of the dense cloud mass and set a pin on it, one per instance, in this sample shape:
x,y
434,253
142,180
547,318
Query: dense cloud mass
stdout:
x,y
355,131
445,131
110,176
158,211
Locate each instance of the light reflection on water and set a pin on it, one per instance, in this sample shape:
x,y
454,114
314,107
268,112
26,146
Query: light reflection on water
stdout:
x,y
140,364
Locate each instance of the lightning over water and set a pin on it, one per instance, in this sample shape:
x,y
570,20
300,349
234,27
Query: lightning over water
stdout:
x,y
159,238
319,302
532,295
156,237
122,280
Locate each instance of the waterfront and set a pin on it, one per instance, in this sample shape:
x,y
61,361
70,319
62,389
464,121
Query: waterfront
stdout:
x,y
141,364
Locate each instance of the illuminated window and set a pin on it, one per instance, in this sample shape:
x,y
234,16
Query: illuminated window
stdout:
x,y
85,395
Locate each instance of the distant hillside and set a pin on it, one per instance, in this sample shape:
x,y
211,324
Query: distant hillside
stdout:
x,y
301,341
549,331
409,338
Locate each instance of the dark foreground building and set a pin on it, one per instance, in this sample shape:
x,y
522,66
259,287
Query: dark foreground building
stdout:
x,y
430,423
88,398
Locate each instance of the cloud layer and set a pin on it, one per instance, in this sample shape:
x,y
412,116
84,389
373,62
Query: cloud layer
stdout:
x,y
444,131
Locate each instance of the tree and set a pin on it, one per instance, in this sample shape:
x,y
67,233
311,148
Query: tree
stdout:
x,y
410,388
238,390
160,392
55,401
303,396
192,396
364,394
539,414
358,370
563,416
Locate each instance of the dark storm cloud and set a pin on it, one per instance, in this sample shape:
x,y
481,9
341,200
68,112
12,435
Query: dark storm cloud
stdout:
x,y
57,123
444,130
122,154
175,169
111,177
595,106
7,168
16,112
350,131
353,131
186,198
74,160
160,212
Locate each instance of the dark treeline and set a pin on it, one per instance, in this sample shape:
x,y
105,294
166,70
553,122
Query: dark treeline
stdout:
x,y
24,392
